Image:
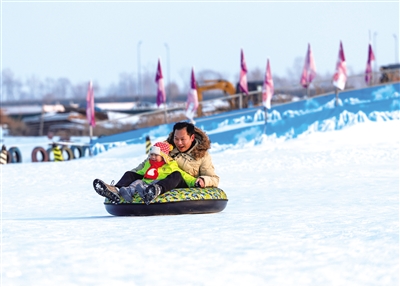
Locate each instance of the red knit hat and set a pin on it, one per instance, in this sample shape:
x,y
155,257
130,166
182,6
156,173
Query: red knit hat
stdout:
x,y
161,148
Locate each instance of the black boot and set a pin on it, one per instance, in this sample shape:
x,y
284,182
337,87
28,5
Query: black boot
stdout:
x,y
151,193
106,190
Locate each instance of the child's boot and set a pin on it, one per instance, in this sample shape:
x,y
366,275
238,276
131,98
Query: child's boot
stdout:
x,y
140,188
127,193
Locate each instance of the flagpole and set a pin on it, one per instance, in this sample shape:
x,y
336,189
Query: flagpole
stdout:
x,y
165,112
268,92
265,120
90,132
90,138
161,97
90,112
336,96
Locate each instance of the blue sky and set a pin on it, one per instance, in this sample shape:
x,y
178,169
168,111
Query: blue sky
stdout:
x,y
99,40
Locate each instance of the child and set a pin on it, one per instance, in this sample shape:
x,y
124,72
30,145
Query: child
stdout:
x,y
158,166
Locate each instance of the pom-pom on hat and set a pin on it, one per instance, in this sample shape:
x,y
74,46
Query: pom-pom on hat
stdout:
x,y
163,149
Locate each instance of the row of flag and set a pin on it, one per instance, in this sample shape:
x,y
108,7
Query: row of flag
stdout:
x,y
308,74
340,76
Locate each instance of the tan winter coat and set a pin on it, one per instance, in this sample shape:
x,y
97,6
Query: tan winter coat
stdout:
x,y
196,161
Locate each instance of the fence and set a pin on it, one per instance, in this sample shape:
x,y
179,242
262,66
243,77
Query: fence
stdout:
x,y
176,111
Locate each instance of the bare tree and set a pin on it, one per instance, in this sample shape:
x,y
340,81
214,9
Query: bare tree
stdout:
x,y
9,86
173,89
35,87
207,75
294,74
62,88
281,82
79,90
148,81
255,75
127,84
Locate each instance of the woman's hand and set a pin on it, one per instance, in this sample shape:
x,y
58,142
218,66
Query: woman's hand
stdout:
x,y
200,182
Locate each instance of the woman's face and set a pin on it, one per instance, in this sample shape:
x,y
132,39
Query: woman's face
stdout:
x,y
182,140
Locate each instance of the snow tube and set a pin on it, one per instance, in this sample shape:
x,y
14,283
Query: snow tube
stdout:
x,y
81,151
15,155
42,152
173,202
68,151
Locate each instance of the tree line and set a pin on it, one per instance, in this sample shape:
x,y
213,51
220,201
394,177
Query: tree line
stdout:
x,y
50,90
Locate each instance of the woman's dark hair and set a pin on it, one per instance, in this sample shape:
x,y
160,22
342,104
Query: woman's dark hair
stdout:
x,y
181,125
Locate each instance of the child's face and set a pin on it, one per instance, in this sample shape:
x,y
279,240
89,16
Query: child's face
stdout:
x,y
156,157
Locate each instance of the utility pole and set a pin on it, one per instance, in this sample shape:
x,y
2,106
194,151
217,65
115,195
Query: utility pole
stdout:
x,y
375,53
139,89
396,49
169,71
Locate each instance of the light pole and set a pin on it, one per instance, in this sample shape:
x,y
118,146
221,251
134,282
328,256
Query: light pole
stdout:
x,y
139,89
168,69
396,49
375,52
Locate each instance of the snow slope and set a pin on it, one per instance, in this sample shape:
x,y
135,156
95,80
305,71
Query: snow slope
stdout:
x,y
285,121
321,209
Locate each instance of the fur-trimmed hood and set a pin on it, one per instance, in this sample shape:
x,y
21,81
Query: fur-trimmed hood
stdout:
x,y
201,146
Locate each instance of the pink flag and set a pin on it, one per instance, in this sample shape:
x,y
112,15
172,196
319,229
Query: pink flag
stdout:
x,y
192,102
243,74
309,70
340,76
368,70
161,98
90,115
268,87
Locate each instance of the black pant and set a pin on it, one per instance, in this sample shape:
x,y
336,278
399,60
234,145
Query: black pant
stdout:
x,y
128,178
174,180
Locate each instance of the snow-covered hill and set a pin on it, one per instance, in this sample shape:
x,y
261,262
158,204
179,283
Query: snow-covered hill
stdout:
x,y
321,208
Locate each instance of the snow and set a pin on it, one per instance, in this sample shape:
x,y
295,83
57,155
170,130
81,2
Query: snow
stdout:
x,y
321,209
314,200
